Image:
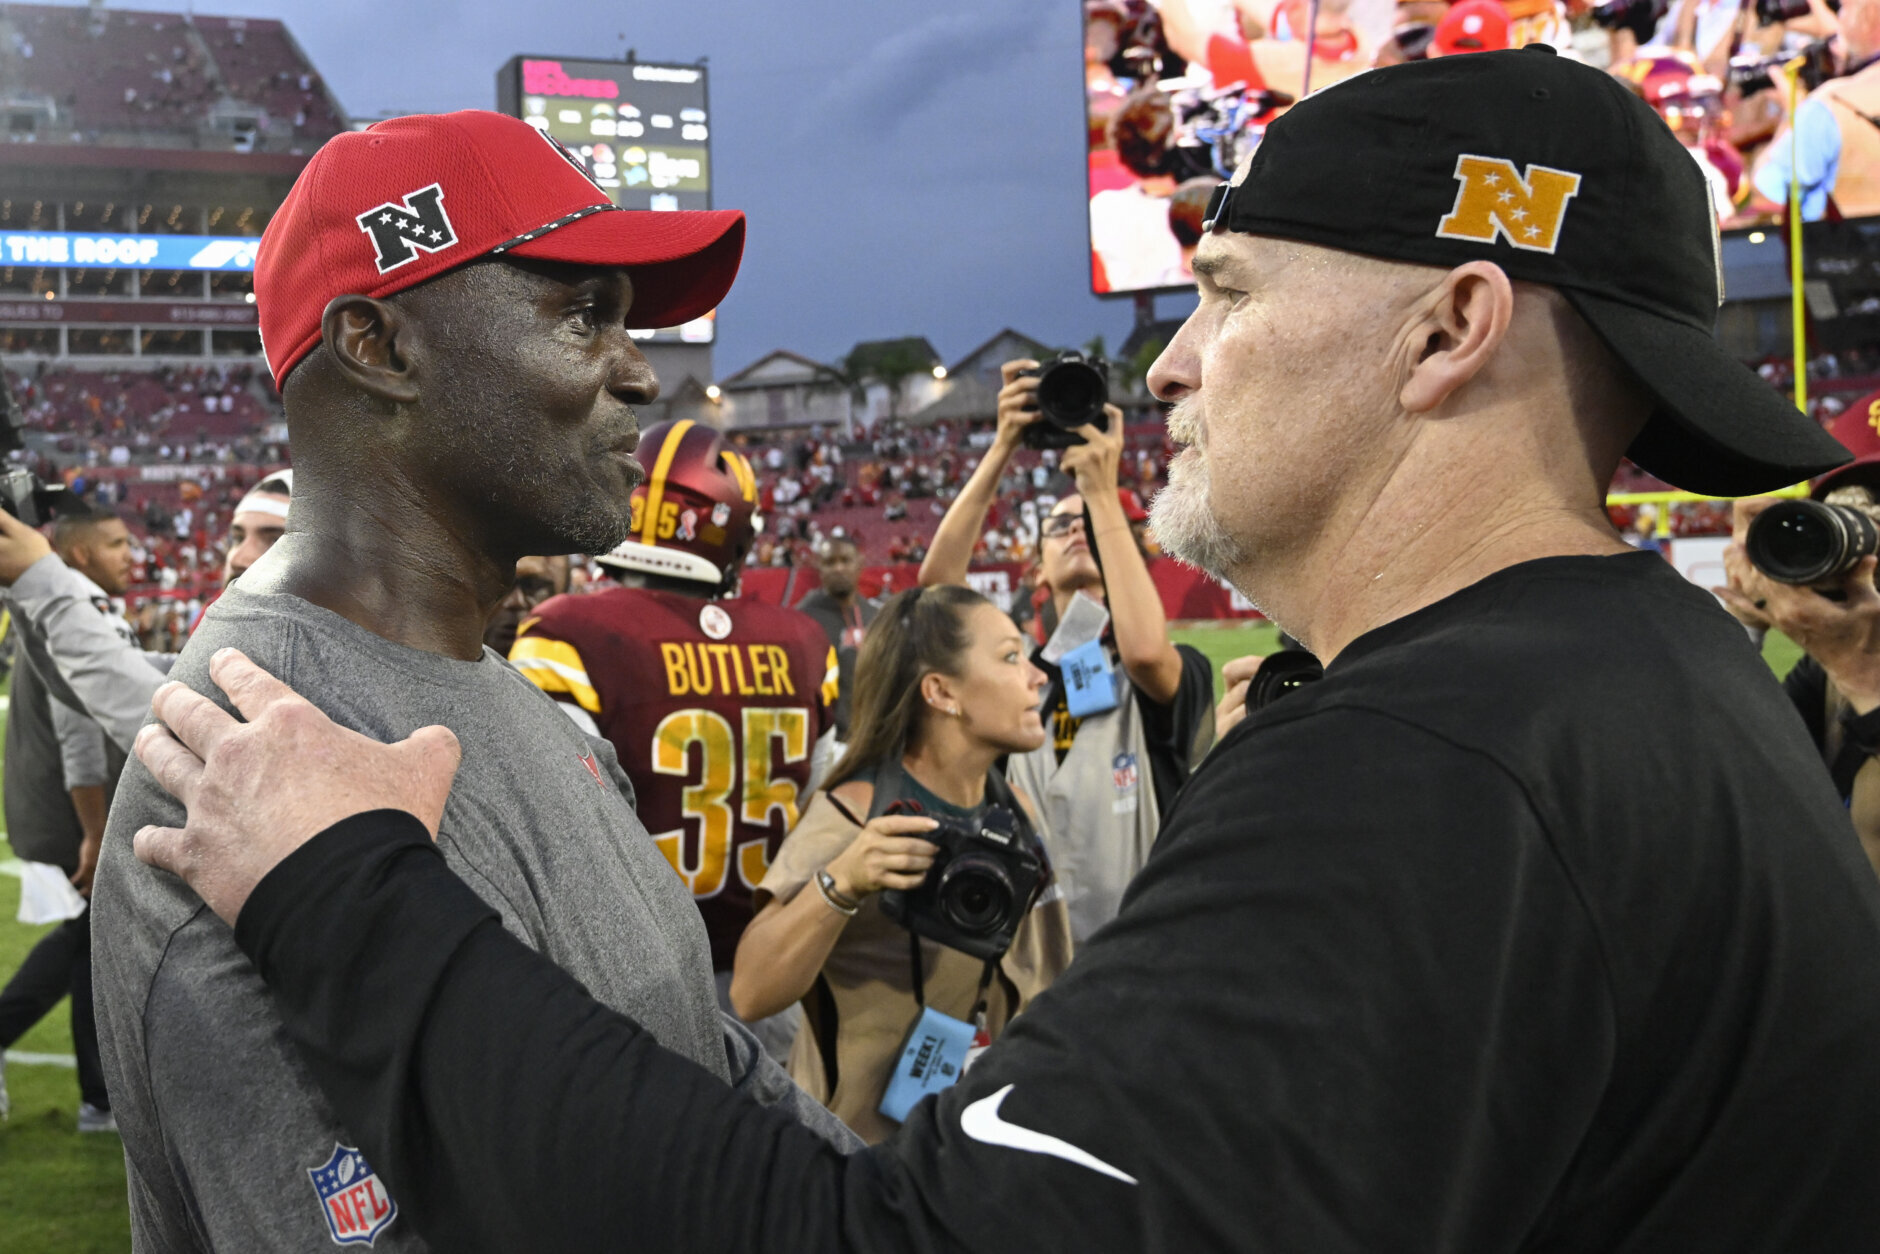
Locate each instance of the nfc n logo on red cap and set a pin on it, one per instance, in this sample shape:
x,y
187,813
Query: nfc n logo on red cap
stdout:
x,y
399,232
1495,200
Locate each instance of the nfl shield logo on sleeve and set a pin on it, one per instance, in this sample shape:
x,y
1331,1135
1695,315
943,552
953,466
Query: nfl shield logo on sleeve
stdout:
x,y
353,1199
1125,776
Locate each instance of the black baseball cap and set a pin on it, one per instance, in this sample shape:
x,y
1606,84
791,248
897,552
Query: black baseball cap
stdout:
x,y
1560,175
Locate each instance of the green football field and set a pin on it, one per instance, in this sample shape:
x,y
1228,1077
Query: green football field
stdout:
x,y
61,1193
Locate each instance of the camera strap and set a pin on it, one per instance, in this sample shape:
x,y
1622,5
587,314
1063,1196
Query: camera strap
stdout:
x,y
917,976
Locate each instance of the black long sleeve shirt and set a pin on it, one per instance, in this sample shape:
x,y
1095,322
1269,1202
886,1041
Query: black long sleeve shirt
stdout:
x,y
1430,956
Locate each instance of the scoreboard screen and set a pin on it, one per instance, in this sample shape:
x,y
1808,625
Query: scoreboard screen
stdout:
x,y
642,128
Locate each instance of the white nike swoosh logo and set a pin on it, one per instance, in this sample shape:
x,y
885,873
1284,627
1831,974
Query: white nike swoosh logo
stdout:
x,y
981,1121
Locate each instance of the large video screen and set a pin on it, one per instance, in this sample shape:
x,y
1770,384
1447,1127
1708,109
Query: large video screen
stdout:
x,y
643,130
1177,92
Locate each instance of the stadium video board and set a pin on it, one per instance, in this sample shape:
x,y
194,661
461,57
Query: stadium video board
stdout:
x,y
642,128
1178,92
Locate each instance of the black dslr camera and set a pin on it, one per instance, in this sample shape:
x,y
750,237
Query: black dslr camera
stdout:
x,y
22,493
1072,391
979,887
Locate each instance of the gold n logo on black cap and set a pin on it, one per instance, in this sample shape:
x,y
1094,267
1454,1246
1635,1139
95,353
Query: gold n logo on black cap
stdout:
x,y
1496,200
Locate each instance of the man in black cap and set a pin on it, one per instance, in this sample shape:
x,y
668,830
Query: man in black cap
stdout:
x,y
1433,955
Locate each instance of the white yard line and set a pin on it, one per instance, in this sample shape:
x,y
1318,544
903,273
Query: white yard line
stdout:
x,y
13,867
22,1058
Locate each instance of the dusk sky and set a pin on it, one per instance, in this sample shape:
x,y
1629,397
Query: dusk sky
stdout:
x,y
908,169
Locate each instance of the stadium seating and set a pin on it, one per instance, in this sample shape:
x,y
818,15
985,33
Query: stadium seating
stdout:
x,y
261,65
127,71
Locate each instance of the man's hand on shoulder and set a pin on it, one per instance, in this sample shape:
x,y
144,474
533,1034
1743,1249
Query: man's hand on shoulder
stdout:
x,y
257,790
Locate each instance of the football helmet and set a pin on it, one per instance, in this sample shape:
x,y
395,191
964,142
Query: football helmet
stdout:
x,y
695,515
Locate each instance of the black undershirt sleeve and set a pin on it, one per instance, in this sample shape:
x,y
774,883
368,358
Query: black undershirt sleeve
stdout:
x,y
405,995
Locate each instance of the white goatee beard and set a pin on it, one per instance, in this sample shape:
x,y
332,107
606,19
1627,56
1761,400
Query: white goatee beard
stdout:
x,y
1182,513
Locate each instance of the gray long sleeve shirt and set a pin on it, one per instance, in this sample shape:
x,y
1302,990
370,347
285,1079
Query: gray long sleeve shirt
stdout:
x,y
91,661
53,747
228,1143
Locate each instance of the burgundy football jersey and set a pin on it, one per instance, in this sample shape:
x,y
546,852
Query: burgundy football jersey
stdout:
x,y
714,708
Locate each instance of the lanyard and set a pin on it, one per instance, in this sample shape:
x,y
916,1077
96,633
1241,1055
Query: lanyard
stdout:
x,y
915,962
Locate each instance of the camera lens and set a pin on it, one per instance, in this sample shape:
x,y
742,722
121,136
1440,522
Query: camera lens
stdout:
x,y
1807,542
976,894
1072,393
1281,673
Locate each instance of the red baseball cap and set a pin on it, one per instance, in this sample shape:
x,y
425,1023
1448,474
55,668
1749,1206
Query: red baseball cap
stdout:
x,y
1472,26
384,209
1858,428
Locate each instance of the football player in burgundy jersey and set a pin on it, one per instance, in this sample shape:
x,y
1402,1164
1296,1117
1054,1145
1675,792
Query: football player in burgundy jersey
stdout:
x,y
722,710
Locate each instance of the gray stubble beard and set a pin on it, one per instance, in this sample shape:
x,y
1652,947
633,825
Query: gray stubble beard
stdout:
x,y
1182,513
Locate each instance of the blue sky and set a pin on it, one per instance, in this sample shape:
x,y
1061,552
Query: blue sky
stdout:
x,y
908,168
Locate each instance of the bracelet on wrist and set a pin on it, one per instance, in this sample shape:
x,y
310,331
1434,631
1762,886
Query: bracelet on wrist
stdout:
x,y
834,897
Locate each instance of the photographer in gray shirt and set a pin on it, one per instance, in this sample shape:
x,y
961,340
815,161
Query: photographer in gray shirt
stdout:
x,y
87,662
60,773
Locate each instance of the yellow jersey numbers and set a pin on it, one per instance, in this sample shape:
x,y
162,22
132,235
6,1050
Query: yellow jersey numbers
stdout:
x,y
711,791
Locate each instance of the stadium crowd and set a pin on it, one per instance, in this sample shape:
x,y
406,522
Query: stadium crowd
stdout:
x,y
885,487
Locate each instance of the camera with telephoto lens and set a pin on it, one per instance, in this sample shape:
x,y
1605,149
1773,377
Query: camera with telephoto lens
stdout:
x,y
1812,543
22,493
979,887
1751,73
1769,12
1641,17
1072,391
1280,673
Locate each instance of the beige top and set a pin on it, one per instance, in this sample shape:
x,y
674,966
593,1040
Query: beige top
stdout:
x,y
1852,101
862,1003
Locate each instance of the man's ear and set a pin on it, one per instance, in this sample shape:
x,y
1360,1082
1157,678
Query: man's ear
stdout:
x,y
1464,322
364,338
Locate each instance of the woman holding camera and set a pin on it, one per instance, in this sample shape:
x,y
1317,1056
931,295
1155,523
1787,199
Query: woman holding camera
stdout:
x,y
944,689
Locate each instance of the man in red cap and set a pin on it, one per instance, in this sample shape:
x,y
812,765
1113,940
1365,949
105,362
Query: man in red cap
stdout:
x,y
1471,26
445,303
1836,686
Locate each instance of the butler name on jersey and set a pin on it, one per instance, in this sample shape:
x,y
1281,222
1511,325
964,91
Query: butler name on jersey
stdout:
x,y
715,708
722,711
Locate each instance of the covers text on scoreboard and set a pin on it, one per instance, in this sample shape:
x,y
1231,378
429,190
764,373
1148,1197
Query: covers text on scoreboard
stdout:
x,y
643,130
78,250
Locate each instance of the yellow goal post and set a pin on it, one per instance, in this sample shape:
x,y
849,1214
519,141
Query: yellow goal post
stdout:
x,y
1665,499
